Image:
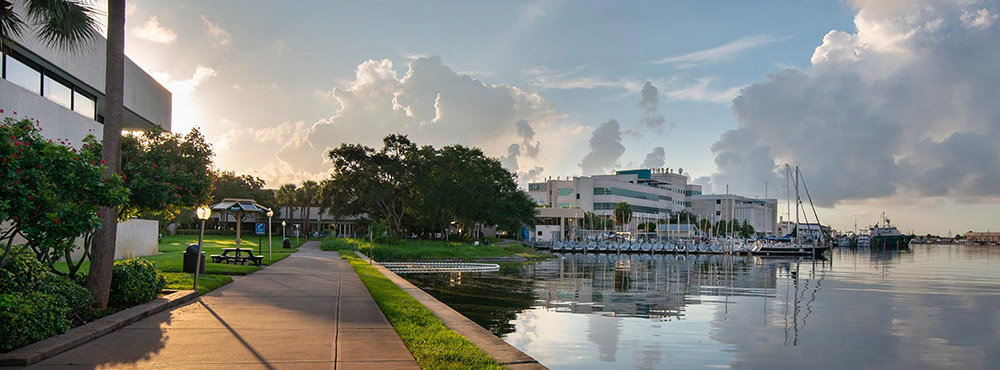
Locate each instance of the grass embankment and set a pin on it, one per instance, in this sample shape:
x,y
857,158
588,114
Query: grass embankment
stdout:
x,y
170,260
414,250
432,344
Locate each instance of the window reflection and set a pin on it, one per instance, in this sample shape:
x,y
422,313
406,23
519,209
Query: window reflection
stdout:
x,y
58,92
84,105
23,75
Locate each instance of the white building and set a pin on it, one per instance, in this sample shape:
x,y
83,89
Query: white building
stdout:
x,y
762,214
652,193
808,229
64,91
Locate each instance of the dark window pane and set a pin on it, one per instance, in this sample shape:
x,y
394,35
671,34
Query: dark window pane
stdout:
x,y
57,92
24,76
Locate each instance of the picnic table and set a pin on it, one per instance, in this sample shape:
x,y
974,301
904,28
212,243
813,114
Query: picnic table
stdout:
x,y
239,256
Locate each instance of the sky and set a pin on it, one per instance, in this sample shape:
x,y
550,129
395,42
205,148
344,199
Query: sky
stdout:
x,y
885,105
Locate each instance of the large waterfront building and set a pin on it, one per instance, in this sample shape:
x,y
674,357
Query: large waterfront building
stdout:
x,y
652,193
762,214
64,92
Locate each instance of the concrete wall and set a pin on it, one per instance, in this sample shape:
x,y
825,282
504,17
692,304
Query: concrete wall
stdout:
x,y
136,238
57,122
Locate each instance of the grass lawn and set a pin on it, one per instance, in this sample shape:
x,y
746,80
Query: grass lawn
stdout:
x,y
433,344
170,260
414,250
206,283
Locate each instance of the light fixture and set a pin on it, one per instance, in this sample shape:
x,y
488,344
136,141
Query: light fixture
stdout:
x,y
204,212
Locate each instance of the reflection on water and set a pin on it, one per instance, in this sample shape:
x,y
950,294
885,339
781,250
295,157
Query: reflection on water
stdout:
x,y
929,306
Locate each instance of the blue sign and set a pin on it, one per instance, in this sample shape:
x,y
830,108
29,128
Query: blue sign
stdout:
x,y
261,228
525,233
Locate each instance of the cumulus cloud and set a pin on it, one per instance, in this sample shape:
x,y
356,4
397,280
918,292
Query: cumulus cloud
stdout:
x,y
656,158
605,149
650,102
903,106
152,31
219,35
433,105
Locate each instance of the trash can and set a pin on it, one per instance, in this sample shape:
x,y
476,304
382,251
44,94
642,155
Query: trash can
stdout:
x,y
191,259
286,244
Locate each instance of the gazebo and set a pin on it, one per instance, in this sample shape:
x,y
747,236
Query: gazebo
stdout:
x,y
238,207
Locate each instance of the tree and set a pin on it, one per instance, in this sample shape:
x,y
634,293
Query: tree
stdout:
x,y
623,214
164,174
63,24
305,197
747,230
285,198
50,192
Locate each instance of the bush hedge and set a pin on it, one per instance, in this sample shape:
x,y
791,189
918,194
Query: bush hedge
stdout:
x,y
21,272
135,281
27,317
71,295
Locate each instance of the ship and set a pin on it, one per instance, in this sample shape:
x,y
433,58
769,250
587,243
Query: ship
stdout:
x,y
884,234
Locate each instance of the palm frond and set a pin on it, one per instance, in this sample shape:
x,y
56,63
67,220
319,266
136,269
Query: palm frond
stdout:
x,y
64,24
10,24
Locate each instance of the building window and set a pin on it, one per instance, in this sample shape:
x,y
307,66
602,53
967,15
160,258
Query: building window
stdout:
x,y
577,195
718,213
57,92
718,201
84,105
564,205
565,191
22,75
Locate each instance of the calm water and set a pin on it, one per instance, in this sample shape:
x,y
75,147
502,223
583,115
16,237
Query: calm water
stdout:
x,y
925,307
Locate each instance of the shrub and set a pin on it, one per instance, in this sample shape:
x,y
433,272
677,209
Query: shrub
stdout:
x,y
135,281
71,295
29,317
21,272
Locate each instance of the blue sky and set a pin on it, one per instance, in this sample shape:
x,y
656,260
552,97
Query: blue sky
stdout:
x,y
274,83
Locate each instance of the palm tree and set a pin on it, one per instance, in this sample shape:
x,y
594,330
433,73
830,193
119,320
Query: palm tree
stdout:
x,y
306,195
623,214
103,254
64,24
285,198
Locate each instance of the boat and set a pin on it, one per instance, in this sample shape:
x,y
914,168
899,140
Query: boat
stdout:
x,y
863,241
884,234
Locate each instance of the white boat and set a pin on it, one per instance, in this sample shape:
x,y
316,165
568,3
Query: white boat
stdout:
x,y
864,240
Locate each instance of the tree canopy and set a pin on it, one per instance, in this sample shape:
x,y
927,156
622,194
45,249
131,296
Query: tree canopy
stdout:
x,y
423,190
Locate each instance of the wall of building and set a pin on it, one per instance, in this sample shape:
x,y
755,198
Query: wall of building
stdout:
x,y
147,103
759,213
56,121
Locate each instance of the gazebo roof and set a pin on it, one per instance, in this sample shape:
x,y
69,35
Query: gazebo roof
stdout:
x,y
239,205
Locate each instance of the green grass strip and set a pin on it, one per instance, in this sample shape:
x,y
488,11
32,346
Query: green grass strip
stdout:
x,y
206,282
431,342
416,250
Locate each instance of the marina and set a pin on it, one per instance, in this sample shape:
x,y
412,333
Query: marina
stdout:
x,y
927,306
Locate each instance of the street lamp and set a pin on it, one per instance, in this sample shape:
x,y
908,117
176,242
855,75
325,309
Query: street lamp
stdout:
x,y
269,214
282,231
203,214
296,234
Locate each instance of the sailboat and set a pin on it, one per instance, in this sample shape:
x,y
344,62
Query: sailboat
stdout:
x,y
798,245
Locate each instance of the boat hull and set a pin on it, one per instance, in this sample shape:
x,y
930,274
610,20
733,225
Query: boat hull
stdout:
x,y
891,240
784,251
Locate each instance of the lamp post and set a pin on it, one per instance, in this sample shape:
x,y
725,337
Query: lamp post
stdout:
x,y
203,214
296,234
282,231
269,214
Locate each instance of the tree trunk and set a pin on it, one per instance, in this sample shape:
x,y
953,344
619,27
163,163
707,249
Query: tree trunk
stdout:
x,y
103,254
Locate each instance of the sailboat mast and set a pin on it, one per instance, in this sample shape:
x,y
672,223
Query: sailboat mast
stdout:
x,y
797,203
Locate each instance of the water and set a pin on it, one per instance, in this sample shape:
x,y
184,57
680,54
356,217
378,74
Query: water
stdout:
x,y
926,307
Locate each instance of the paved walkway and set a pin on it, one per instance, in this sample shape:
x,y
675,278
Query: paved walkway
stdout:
x,y
307,311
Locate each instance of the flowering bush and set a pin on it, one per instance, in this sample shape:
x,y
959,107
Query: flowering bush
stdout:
x,y
51,192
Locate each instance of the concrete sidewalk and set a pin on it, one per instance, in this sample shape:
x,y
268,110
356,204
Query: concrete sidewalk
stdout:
x,y
308,311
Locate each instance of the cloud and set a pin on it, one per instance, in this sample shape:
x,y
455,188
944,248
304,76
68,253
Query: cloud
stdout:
x,y
432,104
701,91
605,149
153,32
656,158
651,116
548,78
219,35
719,53
184,106
902,107
981,18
